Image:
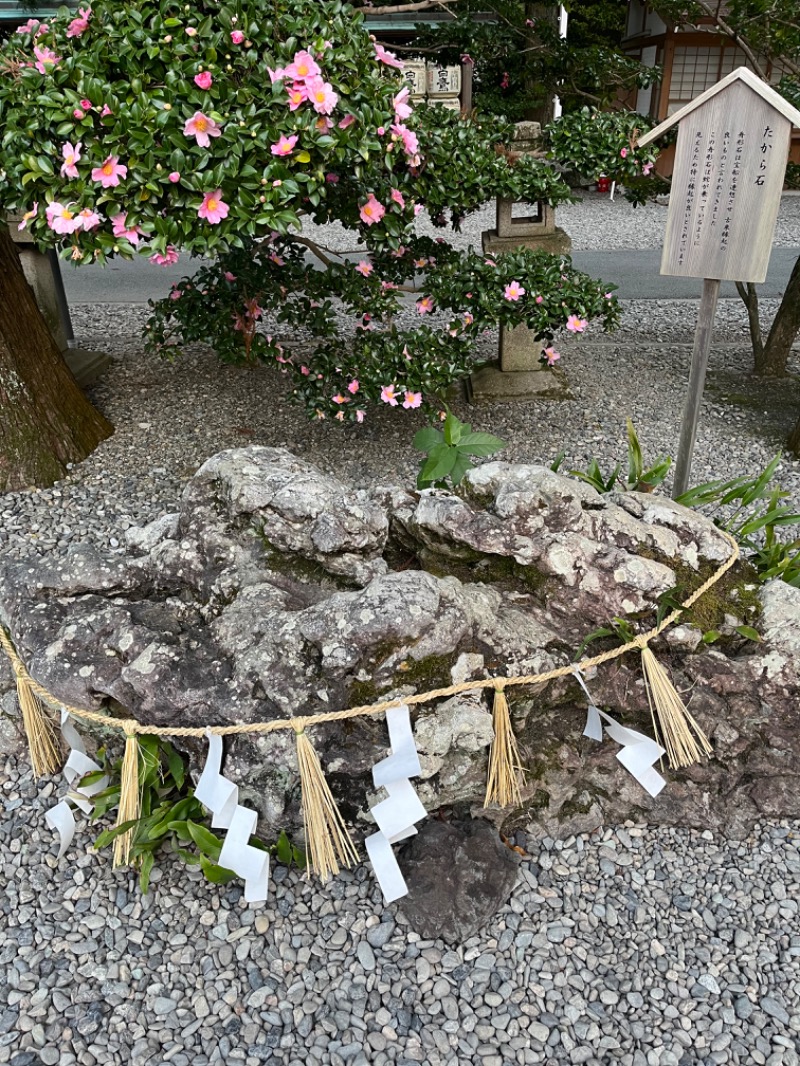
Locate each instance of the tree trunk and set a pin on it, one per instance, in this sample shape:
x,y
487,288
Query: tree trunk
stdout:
x,y
45,420
785,328
749,295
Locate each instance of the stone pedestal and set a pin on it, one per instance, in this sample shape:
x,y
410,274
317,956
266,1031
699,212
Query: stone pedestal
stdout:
x,y
44,277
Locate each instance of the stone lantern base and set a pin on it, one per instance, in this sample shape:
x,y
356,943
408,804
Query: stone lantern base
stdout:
x,y
43,275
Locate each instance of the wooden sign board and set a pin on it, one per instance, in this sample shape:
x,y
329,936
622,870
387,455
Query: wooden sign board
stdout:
x,y
730,161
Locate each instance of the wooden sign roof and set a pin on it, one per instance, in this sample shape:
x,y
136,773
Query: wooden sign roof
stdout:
x,y
741,74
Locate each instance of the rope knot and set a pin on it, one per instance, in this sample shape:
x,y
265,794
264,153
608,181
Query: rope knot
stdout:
x,y
131,727
298,725
641,642
499,684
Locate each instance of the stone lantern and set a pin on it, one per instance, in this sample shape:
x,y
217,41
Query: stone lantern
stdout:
x,y
519,374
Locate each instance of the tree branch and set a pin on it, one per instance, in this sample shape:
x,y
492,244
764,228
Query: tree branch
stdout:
x,y
729,31
315,249
398,9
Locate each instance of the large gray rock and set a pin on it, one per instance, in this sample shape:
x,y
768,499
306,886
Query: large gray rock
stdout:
x,y
275,591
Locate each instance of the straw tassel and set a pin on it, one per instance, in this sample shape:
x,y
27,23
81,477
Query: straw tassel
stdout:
x,y
40,728
685,741
328,842
129,796
502,786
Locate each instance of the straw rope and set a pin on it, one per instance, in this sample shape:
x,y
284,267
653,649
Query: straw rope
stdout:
x,y
131,727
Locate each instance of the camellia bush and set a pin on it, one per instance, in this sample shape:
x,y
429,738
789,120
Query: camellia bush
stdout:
x,y
160,128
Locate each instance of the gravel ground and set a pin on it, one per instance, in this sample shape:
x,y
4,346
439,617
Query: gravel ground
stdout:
x,y
636,946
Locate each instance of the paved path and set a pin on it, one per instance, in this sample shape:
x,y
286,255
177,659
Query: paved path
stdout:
x,y
634,271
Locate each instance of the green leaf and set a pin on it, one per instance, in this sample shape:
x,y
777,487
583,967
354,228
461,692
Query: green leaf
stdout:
x,y
481,444
749,633
208,843
462,464
711,636
217,875
426,439
635,461
283,848
144,873
453,429
440,462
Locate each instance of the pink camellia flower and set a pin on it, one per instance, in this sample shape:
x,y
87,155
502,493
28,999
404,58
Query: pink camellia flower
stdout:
x,y
46,60
339,416
27,27
398,198
110,172
202,128
552,356
647,168
514,291
285,145
624,153
469,318
401,108
213,209
89,219
78,114
34,211
417,209
412,399
332,179
424,306
237,36
276,75
365,268
360,415
175,177
176,293
302,67
168,258
321,95
276,259
60,219
353,386
43,28
410,142
576,325
106,111
388,395
228,276
298,94
540,299
304,371
348,120
203,80
72,154
80,24
389,58
609,295
338,398
324,124
372,211
86,105
191,31
120,228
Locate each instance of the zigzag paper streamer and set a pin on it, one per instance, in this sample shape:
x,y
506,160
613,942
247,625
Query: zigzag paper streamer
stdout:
x,y
221,796
60,818
639,752
396,815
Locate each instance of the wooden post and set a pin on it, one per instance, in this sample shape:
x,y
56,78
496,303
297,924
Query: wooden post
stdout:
x,y
466,88
697,377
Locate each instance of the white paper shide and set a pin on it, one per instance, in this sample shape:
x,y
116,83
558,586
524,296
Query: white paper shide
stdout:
x,y
397,815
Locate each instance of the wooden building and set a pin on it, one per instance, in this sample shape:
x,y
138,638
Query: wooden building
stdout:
x,y
692,59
